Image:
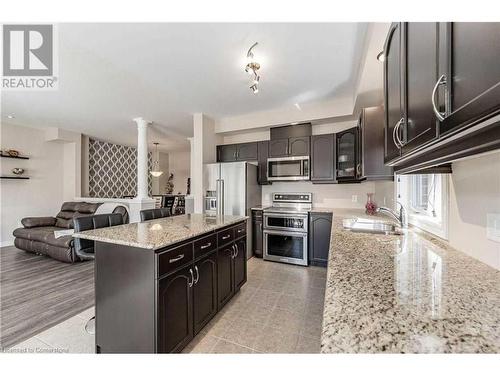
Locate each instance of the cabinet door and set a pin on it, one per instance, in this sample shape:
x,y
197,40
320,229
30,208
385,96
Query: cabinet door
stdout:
x,y
240,263
278,147
298,146
392,89
175,311
320,228
347,154
420,71
263,153
226,153
246,151
205,291
225,275
257,237
323,157
473,76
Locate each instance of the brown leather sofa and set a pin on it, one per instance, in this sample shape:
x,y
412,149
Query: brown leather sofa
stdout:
x,y
37,235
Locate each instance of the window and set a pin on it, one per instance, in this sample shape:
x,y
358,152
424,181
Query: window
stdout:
x,y
425,196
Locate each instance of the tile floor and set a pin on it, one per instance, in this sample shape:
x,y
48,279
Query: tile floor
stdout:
x,y
278,310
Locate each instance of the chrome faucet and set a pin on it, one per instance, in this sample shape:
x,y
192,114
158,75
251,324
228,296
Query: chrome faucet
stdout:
x,y
401,217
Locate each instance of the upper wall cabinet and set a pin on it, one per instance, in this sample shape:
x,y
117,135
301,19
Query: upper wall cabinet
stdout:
x,y
323,158
237,152
348,166
439,80
294,146
470,73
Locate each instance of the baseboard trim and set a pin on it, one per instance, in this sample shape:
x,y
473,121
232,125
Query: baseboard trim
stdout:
x,y
7,243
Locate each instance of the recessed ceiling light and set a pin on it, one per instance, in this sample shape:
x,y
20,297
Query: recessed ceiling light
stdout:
x,y
11,116
381,56
297,105
293,123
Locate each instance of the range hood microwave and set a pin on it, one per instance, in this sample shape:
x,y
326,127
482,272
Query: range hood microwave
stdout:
x,y
289,168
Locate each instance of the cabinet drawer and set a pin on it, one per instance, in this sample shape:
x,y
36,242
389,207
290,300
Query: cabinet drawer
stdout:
x,y
174,258
225,236
240,230
205,245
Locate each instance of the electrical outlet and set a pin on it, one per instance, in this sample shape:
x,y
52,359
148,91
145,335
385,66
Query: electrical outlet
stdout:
x,y
493,227
354,198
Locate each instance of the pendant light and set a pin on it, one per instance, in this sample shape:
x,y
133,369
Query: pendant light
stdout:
x,y
155,172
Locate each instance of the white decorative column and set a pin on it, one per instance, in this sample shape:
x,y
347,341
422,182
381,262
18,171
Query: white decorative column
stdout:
x,y
142,201
142,157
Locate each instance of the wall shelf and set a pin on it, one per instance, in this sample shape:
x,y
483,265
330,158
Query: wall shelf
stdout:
x,y
14,177
14,157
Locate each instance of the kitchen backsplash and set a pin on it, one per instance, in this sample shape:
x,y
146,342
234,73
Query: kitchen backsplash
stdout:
x,y
335,195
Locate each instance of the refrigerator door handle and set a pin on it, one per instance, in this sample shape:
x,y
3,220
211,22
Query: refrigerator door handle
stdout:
x,y
221,202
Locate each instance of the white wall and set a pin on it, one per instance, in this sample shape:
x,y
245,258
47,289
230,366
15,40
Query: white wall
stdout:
x,y
474,193
179,165
43,194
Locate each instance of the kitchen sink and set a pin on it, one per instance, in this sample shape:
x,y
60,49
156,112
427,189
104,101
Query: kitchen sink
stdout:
x,y
371,226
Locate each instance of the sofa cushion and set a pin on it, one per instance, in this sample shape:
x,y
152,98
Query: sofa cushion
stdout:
x,y
70,210
45,235
31,222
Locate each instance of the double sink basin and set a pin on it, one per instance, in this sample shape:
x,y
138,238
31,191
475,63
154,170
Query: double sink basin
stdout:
x,y
371,226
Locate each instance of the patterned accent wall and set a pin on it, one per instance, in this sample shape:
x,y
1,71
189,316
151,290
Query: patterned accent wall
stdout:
x,y
113,170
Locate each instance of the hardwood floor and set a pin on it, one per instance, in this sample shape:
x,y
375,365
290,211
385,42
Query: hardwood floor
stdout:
x,y
37,292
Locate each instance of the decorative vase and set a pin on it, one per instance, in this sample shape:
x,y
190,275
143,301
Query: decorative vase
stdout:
x,y
370,206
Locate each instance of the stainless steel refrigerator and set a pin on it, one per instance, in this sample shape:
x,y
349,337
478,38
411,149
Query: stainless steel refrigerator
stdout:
x,y
232,189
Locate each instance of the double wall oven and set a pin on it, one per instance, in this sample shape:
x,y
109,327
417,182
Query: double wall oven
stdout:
x,y
286,229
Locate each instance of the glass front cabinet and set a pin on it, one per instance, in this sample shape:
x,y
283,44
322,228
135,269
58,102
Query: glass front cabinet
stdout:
x,y
348,165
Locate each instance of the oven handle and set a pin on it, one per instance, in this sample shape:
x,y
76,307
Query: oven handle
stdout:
x,y
283,232
286,216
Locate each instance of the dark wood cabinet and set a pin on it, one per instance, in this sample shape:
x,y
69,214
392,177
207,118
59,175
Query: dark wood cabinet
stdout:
x,y
237,152
226,153
298,146
205,291
323,158
225,275
175,311
320,228
278,148
420,74
257,233
471,71
240,259
348,166
371,145
263,154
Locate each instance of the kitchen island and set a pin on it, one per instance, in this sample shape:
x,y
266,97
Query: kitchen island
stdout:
x,y
158,283
406,294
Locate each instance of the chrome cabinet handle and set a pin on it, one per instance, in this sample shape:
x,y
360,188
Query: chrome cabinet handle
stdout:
x,y
441,81
176,259
206,246
197,275
240,230
226,237
237,250
394,130
397,132
192,278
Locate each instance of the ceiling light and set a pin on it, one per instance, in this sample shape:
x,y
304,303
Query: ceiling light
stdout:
x,y
251,68
11,116
156,172
381,56
297,105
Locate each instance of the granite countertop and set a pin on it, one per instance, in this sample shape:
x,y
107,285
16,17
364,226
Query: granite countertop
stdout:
x,y
406,294
156,234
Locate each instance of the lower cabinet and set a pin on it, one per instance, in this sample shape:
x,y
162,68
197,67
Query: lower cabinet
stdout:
x,y
205,291
257,235
175,311
320,228
240,260
225,275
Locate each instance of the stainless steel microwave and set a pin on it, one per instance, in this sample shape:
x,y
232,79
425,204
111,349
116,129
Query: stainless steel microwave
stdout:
x,y
291,168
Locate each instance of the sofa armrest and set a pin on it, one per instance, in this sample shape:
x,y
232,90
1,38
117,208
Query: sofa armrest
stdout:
x,y
32,222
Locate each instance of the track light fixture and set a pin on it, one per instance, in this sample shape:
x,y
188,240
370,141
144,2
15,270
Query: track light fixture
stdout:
x,y
251,68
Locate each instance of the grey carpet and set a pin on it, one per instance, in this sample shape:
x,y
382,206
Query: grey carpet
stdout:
x,y
37,292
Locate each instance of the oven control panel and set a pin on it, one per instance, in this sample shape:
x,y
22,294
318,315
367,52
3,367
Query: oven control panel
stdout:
x,y
292,197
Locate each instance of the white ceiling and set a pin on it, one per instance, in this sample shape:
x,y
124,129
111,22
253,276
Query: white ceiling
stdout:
x,y
112,73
